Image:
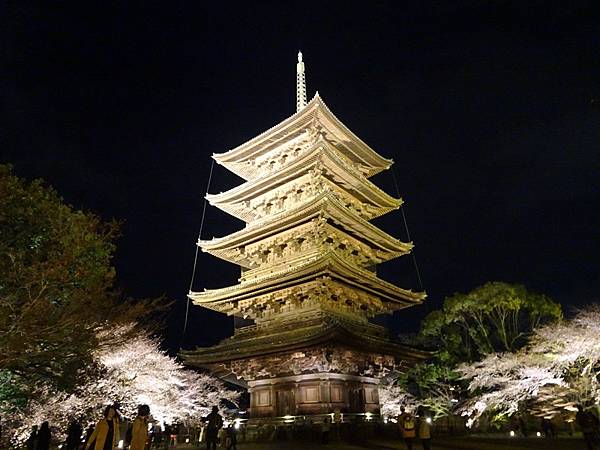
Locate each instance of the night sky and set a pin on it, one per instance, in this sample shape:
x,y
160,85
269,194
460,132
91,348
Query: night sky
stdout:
x,y
490,109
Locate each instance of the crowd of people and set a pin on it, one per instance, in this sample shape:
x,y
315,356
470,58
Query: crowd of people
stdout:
x,y
413,428
105,435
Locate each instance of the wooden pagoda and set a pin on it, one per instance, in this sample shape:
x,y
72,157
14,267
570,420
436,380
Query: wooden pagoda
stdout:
x,y
308,255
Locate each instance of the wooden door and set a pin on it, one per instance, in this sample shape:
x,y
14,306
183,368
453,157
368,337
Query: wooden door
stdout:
x,y
286,404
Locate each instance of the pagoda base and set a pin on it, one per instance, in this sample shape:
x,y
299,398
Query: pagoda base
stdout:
x,y
314,393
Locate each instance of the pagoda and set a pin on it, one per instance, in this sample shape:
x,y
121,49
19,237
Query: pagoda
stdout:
x,y
308,283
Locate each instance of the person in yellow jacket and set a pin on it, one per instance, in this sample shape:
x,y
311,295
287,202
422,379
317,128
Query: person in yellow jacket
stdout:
x,y
106,434
407,424
424,427
139,429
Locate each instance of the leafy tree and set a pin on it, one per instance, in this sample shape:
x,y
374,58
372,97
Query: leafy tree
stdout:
x,y
434,384
56,285
495,317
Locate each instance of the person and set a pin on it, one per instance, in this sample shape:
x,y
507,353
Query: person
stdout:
x,y
139,429
523,426
310,429
547,428
106,434
231,437
424,429
408,428
32,439
88,433
215,423
337,420
173,434
157,436
43,437
325,430
588,424
167,435
74,433
402,411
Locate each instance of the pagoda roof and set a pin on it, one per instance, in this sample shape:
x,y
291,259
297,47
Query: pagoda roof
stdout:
x,y
315,112
322,155
247,260
328,264
250,344
326,204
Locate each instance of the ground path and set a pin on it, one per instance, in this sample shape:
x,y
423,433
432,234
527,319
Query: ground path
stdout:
x,y
463,443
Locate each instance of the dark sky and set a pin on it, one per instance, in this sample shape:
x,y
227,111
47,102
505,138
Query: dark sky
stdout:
x,y
490,109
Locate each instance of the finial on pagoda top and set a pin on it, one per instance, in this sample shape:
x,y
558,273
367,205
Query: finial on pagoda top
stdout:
x,y
300,84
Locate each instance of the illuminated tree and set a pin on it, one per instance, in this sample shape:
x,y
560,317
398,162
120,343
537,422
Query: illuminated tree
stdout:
x,y
433,385
573,349
501,382
495,317
131,373
558,369
138,372
393,397
440,399
573,352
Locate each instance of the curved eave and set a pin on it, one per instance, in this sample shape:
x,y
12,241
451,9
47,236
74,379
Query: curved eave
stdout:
x,y
373,162
321,153
326,202
382,163
232,257
238,349
327,265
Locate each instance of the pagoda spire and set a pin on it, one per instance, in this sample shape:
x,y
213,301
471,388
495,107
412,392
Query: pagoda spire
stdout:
x,y
300,84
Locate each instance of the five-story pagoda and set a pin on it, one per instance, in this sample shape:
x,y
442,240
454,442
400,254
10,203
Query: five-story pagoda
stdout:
x,y
308,255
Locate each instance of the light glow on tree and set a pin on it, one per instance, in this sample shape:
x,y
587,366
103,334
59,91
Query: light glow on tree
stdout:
x,y
132,373
393,398
555,372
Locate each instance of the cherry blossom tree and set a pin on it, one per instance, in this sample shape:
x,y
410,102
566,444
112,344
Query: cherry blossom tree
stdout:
x,y
393,397
131,373
558,369
500,382
573,352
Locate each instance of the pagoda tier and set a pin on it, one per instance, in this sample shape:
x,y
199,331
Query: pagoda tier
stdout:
x,y
319,344
320,167
298,301
310,367
270,151
327,265
319,233
322,224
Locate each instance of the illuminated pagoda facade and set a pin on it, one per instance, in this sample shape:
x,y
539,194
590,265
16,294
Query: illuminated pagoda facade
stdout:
x,y
308,283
